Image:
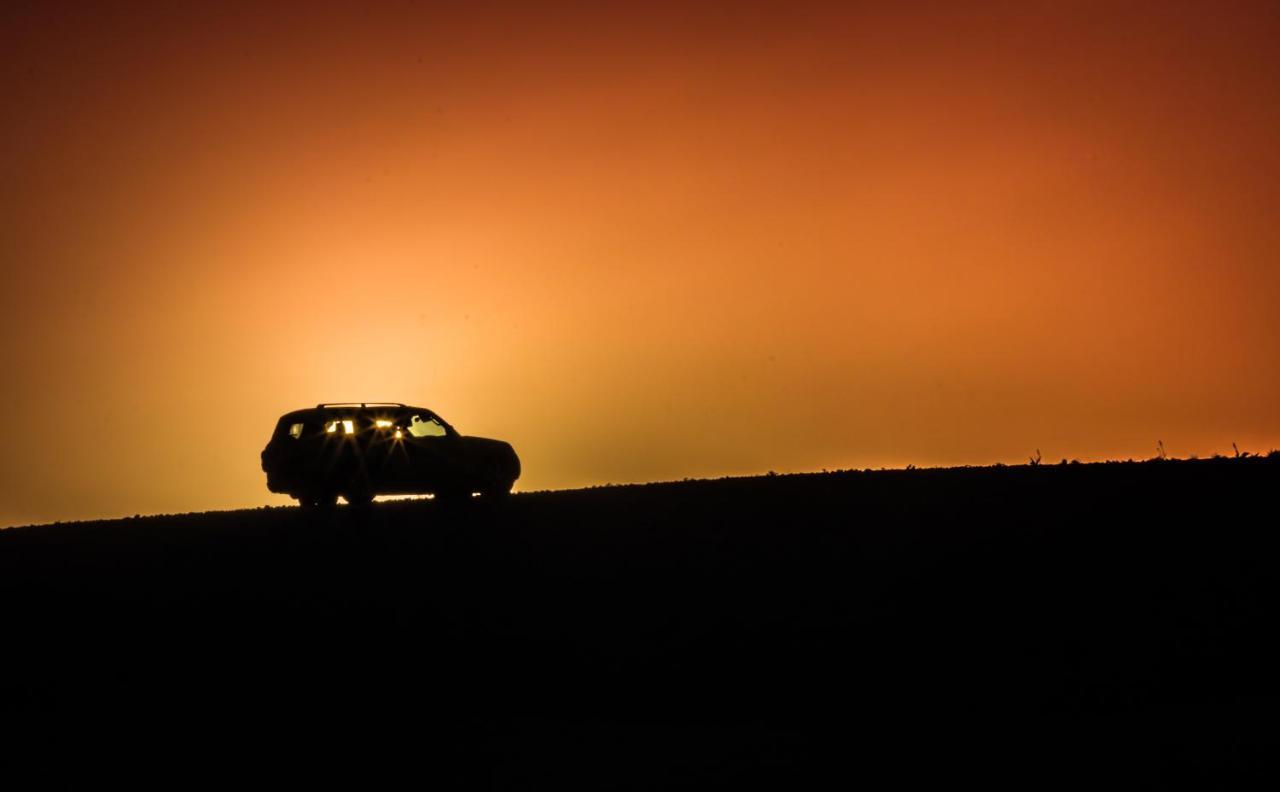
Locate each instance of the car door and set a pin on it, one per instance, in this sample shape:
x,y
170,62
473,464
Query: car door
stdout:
x,y
432,453
380,453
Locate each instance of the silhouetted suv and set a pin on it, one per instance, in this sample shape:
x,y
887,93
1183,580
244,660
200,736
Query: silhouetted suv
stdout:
x,y
362,450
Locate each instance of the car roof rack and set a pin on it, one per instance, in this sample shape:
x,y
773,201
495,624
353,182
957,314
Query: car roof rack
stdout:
x,y
362,405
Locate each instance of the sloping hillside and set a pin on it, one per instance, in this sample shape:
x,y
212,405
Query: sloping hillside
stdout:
x,y
925,623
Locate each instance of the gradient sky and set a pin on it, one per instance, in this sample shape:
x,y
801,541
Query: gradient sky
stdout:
x,y
639,244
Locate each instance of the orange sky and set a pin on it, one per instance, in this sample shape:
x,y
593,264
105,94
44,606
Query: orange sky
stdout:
x,y
638,244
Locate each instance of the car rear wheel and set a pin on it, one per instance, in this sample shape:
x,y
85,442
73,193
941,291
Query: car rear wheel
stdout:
x,y
358,498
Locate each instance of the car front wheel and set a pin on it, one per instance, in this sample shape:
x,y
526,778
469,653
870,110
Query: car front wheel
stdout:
x,y
498,489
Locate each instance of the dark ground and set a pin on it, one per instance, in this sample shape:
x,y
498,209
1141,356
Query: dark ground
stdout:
x,y
1078,624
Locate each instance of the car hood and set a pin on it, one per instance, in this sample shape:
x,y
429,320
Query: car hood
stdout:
x,y
493,451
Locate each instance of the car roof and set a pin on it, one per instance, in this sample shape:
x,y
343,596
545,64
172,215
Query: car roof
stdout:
x,y
358,405
349,408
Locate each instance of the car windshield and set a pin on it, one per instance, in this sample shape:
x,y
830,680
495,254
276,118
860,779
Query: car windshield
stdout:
x,y
425,426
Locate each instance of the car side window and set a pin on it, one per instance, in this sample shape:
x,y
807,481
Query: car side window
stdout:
x,y
345,426
430,427
295,431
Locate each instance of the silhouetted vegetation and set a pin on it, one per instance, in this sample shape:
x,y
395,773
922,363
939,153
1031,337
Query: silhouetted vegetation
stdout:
x,y
1034,623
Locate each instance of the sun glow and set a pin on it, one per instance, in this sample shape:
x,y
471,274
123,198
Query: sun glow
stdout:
x,y
840,236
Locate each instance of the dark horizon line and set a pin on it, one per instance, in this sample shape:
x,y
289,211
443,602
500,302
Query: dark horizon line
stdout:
x,y
1033,462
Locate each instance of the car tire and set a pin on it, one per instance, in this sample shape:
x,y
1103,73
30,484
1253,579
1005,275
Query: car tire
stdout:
x,y
359,499
498,489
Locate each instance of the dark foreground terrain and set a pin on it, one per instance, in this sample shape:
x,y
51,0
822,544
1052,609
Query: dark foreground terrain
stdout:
x,y
1077,624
